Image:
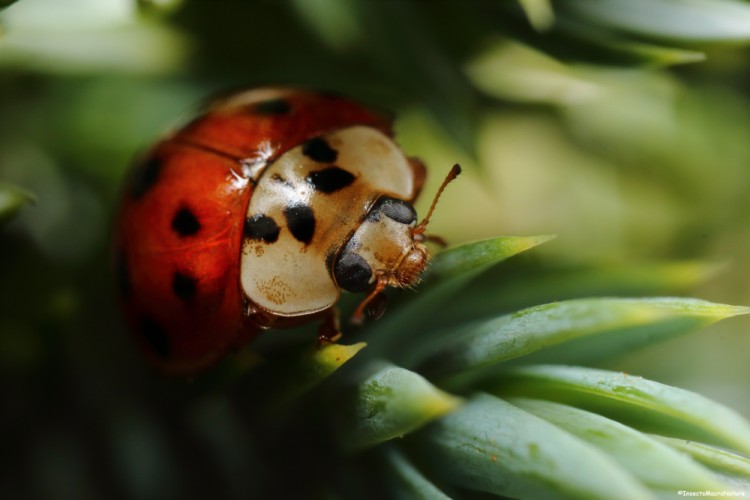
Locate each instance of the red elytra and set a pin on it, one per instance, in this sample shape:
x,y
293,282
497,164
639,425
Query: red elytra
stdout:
x,y
180,231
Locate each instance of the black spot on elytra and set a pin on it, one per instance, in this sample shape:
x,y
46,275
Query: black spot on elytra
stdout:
x,y
145,176
185,223
184,285
277,106
352,272
301,221
398,210
329,180
317,149
262,228
123,275
155,336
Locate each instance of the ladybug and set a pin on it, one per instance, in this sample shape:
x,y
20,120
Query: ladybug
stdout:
x,y
256,214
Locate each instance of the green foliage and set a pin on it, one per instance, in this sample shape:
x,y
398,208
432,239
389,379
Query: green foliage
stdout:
x,y
408,482
450,272
12,200
717,459
646,404
522,447
619,125
390,403
491,445
685,21
298,375
625,324
656,465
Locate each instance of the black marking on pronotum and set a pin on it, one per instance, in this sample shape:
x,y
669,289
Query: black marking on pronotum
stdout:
x,y
352,272
262,228
185,223
301,221
145,176
123,275
278,106
317,149
398,210
184,285
329,180
155,336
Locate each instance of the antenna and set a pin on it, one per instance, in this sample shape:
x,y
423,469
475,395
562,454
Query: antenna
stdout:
x,y
422,226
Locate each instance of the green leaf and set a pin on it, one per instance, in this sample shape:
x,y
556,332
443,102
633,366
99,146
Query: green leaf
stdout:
x,y
12,200
573,40
390,403
159,6
473,258
89,35
405,482
6,3
539,12
516,72
685,20
643,404
652,462
319,363
600,328
293,378
720,460
450,271
526,285
617,50
491,445
507,289
652,55
334,21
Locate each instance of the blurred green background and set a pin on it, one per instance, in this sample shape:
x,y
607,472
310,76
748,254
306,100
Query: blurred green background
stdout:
x,y
621,126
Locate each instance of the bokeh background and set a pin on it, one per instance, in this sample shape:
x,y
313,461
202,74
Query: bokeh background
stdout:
x,y
621,126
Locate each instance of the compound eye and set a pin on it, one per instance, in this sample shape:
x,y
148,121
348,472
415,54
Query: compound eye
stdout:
x,y
398,210
352,272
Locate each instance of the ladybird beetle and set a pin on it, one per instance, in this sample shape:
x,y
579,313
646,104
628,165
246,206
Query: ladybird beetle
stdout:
x,y
256,214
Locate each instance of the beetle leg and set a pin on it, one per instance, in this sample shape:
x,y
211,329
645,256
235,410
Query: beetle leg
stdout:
x,y
328,331
359,314
376,307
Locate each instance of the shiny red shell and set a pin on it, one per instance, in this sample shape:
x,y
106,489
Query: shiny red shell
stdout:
x,y
179,228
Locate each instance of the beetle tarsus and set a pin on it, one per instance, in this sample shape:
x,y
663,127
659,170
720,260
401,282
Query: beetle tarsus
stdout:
x,y
377,306
329,332
359,314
